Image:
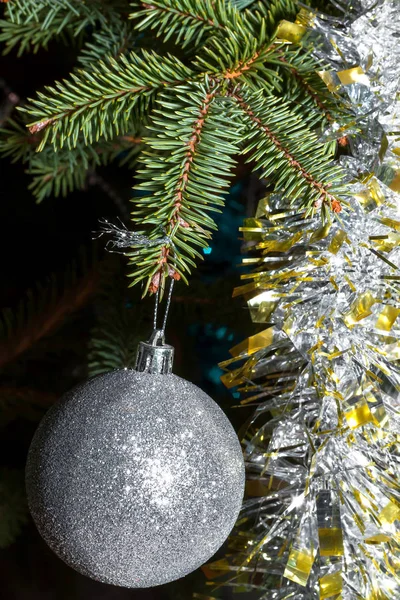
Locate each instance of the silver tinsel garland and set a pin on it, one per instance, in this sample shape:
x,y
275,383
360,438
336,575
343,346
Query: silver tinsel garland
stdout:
x,y
323,515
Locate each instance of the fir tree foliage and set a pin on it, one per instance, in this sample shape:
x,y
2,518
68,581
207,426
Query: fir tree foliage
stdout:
x,y
217,81
275,150
99,103
32,25
45,306
12,504
115,337
198,138
114,39
59,173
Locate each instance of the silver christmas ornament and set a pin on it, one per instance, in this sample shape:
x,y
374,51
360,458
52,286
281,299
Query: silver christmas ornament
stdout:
x,y
136,477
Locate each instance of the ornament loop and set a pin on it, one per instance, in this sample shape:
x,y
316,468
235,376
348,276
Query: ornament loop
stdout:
x,y
155,356
157,301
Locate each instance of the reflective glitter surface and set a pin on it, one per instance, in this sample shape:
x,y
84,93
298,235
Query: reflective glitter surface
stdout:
x,y
135,479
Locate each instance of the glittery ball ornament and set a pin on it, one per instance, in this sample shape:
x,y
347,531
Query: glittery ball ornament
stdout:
x,y
136,477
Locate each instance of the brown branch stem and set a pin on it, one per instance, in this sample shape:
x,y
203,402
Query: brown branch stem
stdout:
x,y
143,88
181,186
241,67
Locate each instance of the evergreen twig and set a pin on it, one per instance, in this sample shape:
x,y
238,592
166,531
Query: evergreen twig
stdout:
x,y
229,85
41,312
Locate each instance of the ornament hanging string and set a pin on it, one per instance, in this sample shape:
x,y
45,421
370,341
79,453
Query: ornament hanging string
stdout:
x,y
156,305
122,237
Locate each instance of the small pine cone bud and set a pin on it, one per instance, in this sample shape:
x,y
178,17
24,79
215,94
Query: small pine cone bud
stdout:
x,y
183,223
39,126
172,273
155,283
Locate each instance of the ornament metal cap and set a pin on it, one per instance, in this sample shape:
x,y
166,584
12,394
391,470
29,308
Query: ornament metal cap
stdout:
x,y
155,356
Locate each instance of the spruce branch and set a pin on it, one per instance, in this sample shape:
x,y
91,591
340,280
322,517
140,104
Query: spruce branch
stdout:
x,y
120,317
43,310
59,173
241,4
59,178
31,25
195,137
237,87
99,103
242,58
289,153
16,142
266,16
300,71
111,41
303,79
188,21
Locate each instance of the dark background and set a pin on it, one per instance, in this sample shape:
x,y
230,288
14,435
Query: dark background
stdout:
x,y
39,240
